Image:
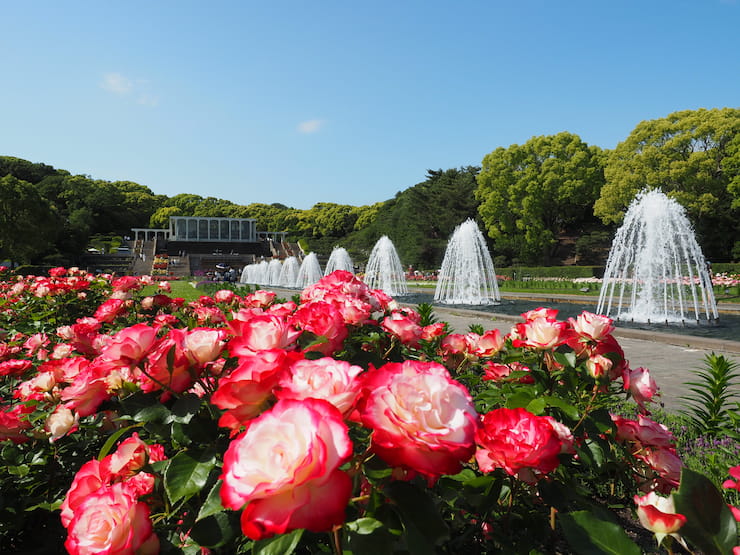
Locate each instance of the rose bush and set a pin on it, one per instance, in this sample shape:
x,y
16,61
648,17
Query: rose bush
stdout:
x,y
338,421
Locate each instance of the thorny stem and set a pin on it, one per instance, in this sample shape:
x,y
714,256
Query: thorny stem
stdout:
x,y
337,541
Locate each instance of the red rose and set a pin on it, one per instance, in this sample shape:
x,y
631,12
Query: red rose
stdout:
x,y
521,443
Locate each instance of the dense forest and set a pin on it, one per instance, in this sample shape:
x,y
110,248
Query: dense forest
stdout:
x,y
552,200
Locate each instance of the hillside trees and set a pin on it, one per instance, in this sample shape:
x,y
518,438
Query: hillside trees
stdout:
x,y
27,221
420,219
530,194
694,157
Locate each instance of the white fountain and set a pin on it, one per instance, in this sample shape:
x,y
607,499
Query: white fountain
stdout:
x,y
309,272
339,260
656,271
289,272
467,275
273,271
384,270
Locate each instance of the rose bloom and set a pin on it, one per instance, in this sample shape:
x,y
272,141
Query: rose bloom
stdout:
x,y
224,296
261,332
489,343
259,299
422,419
284,470
598,366
130,345
13,423
108,311
592,326
203,345
60,422
433,331
244,393
323,378
733,484
111,520
523,444
403,327
666,464
658,514
640,384
168,365
541,334
323,320
644,431
496,371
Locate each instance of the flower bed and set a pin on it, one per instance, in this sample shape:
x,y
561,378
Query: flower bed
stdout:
x,y
337,422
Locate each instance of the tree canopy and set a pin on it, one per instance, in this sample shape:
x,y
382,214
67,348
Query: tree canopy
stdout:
x,y
692,156
530,194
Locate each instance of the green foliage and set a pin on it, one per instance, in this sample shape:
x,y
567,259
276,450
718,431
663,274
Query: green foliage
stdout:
x,y
530,194
710,395
421,219
564,272
694,157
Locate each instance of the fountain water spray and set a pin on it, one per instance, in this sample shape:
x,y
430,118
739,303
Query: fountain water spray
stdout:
x,y
384,270
309,272
656,271
339,260
274,269
289,272
467,275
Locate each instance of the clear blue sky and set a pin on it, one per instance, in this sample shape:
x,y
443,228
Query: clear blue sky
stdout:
x,y
342,101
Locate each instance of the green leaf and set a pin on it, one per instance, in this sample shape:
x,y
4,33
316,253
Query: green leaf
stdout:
x,y
284,544
537,406
520,399
364,525
185,408
566,359
212,504
710,526
187,474
424,526
589,535
568,410
215,530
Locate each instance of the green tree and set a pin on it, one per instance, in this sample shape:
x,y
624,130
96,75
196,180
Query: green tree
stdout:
x,y
692,156
27,221
161,217
531,194
420,219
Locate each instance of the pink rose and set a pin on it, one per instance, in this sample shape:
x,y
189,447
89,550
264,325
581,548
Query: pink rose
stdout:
x,y
284,470
598,366
13,423
406,329
111,520
640,384
323,378
541,334
108,311
167,366
489,343
521,443
432,331
60,422
658,514
244,393
592,326
224,296
422,419
261,332
323,320
130,345
203,345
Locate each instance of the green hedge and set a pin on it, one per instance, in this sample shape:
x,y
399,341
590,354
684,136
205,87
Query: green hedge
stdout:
x,y
726,267
569,272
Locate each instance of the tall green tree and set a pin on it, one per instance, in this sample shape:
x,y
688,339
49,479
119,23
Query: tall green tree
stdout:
x,y
530,194
692,156
27,221
420,219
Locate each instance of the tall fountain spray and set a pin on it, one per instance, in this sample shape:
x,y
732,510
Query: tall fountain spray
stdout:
x,y
339,260
656,271
289,272
309,272
467,275
273,271
384,270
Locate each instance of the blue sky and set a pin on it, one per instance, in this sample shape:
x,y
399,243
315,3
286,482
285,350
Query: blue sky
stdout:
x,y
342,101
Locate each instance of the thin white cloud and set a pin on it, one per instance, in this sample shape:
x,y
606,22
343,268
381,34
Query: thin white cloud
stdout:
x,y
311,126
117,84
137,90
